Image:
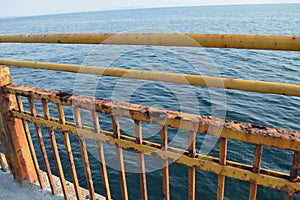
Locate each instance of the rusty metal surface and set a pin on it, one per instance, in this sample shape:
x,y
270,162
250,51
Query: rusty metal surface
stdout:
x,y
225,129
256,169
241,131
143,179
295,166
222,161
165,165
30,144
239,171
13,137
55,150
71,128
39,134
5,78
62,121
141,160
119,153
192,170
84,154
97,130
240,41
206,81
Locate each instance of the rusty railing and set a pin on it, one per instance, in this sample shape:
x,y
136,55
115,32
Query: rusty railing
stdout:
x,y
22,159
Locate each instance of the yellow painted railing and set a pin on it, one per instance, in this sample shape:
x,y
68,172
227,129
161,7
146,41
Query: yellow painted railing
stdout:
x,y
227,83
18,146
240,41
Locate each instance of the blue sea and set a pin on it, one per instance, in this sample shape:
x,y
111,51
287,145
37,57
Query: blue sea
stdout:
x,y
262,109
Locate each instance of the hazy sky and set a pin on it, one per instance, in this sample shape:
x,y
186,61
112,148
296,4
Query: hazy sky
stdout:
x,y
11,8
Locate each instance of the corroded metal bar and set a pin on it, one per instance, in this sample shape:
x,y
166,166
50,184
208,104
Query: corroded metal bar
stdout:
x,y
30,144
241,131
289,197
294,172
97,130
12,135
256,169
85,158
226,170
222,161
241,41
192,170
42,146
55,150
207,81
268,178
295,166
141,160
71,128
119,151
62,121
165,163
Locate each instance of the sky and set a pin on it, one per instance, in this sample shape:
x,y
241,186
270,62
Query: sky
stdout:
x,y
13,8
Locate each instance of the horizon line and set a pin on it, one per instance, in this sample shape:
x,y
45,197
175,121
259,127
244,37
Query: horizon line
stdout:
x,y
140,8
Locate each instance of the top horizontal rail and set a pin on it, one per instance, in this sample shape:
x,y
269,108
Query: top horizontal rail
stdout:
x,y
239,41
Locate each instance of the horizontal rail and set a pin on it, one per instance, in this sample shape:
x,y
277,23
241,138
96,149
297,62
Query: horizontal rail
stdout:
x,y
70,127
239,171
240,41
245,132
209,81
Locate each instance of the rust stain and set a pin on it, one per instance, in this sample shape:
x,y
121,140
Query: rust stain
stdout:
x,y
153,115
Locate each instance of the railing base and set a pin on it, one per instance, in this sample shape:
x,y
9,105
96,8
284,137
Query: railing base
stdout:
x,y
36,186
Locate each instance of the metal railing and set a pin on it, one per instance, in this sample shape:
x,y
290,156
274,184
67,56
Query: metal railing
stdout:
x,y
19,150
239,41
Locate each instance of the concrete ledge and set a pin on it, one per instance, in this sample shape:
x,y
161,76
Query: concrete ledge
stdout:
x,y
11,189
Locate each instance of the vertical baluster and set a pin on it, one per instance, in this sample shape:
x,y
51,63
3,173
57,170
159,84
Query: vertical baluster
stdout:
x,y
42,146
295,166
222,161
97,130
62,120
30,144
289,197
165,164
256,168
294,171
141,160
85,158
116,129
55,150
192,170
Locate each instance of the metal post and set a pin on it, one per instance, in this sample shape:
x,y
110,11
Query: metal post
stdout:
x,y
12,135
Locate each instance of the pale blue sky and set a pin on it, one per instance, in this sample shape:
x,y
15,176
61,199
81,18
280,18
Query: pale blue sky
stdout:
x,y
10,8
